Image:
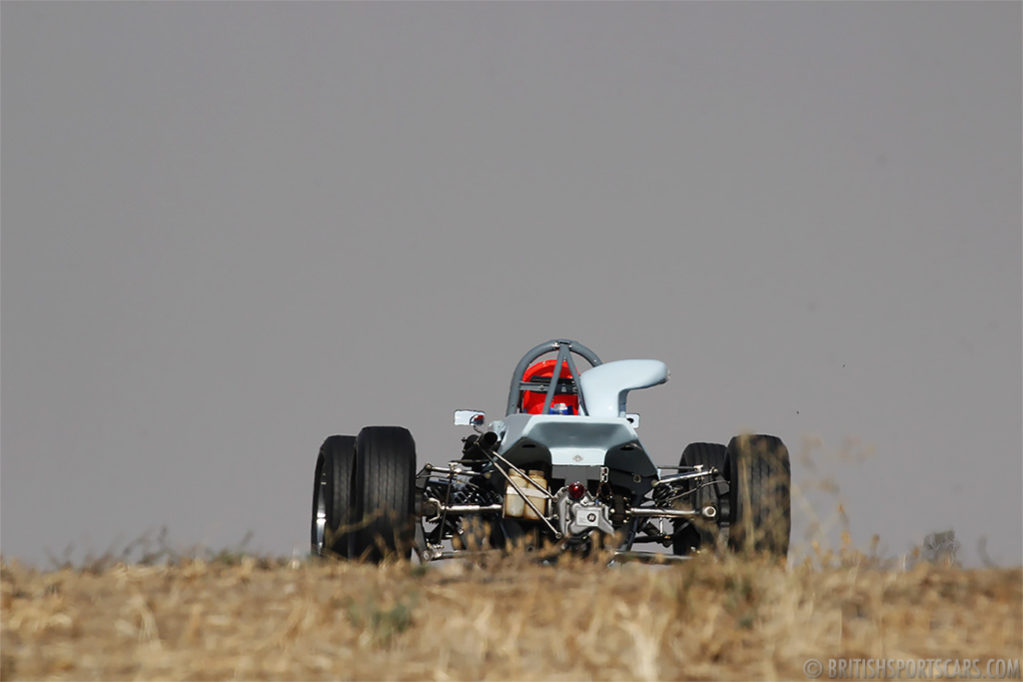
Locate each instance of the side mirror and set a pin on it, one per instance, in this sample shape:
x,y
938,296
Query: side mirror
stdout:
x,y
470,417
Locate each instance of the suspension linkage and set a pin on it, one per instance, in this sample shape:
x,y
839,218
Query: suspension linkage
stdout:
x,y
434,509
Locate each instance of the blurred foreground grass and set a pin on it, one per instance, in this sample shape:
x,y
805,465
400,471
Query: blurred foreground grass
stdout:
x,y
712,618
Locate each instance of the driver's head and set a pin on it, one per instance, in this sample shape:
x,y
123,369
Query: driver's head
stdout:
x,y
565,400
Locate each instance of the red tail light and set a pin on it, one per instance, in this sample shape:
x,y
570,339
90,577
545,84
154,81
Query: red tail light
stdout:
x,y
576,490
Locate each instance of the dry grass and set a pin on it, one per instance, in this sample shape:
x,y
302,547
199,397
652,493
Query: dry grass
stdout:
x,y
709,619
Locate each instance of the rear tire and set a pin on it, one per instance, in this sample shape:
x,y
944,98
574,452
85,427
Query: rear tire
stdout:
x,y
385,463
332,533
700,532
760,481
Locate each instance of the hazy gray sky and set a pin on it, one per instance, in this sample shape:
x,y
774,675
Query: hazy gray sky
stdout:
x,y
231,229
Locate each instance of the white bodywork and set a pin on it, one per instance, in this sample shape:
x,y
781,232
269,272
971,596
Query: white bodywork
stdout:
x,y
585,440
605,387
580,441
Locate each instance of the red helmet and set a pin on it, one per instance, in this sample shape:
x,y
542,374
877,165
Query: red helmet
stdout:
x,y
532,401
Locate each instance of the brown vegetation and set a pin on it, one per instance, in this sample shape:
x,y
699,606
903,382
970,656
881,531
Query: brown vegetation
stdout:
x,y
712,618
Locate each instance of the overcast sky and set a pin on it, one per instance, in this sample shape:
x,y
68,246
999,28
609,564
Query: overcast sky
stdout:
x,y
232,229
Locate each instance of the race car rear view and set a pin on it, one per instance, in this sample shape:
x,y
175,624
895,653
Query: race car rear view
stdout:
x,y
563,471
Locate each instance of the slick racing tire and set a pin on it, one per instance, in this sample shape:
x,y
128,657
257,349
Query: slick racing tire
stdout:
x,y
760,482
700,533
332,523
385,463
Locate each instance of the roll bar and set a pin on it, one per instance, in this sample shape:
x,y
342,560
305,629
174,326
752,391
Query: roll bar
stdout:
x,y
564,348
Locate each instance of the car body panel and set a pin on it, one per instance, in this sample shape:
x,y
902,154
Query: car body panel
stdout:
x,y
605,387
571,440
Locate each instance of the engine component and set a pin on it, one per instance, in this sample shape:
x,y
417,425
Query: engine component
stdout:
x,y
535,488
583,515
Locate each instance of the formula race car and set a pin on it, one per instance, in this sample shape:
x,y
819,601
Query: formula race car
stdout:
x,y
562,471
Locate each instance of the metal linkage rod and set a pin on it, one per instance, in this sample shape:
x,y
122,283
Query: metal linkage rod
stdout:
x,y
677,478
707,512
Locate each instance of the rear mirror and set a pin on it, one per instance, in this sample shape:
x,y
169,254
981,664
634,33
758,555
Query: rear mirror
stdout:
x,y
470,417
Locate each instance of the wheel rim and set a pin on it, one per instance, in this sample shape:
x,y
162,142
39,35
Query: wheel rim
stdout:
x,y
320,513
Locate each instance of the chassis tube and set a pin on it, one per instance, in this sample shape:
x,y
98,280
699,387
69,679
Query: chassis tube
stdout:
x,y
706,512
439,508
676,478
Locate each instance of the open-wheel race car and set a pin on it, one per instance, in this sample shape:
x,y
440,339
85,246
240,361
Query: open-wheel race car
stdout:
x,y
563,471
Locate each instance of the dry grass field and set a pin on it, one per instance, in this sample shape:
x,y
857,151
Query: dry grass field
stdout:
x,y
712,618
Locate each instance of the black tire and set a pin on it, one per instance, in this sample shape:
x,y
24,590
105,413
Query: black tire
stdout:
x,y
700,533
385,469
760,482
332,532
